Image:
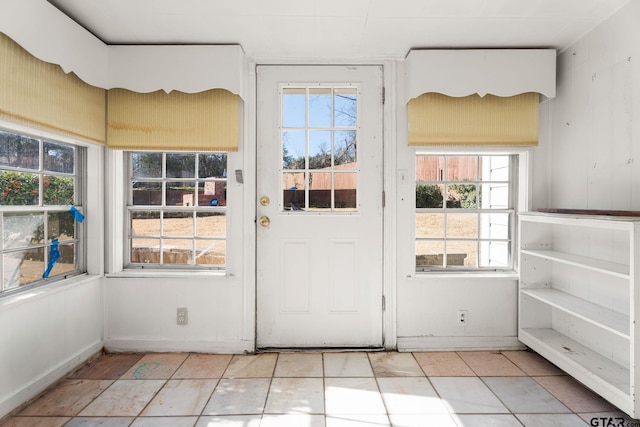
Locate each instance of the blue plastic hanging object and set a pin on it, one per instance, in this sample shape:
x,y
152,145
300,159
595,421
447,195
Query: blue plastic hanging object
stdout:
x,y
54,254
76,214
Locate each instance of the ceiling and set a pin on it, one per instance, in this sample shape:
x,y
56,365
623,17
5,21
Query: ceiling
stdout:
x,y
341,29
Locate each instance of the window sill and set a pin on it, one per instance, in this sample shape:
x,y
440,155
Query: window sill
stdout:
x,y
46,289
464,275
159,273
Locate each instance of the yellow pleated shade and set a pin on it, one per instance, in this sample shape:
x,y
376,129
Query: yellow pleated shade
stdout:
x,y
204,121
41,95
436,119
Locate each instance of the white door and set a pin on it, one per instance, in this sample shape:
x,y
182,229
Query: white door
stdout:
x,y
319,208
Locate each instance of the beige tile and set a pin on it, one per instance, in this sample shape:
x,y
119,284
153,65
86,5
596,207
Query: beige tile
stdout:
x,y
35,422
443,364
490,364
299,365
351,365
390,364
156,366
203,366
292,420
295,396
123,398
353,396
68,398
357,420
532,363
181,397
230,421
252,366
108,367
410,395
422,420
100,421
165,422
237,396
574,395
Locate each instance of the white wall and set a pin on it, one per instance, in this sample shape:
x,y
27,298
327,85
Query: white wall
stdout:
x,y
46,333
594,160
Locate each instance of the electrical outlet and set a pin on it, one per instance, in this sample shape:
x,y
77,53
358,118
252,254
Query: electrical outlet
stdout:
x,y
463,317
182,316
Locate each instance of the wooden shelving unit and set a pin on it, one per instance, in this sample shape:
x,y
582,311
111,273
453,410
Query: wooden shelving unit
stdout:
x,y
577,299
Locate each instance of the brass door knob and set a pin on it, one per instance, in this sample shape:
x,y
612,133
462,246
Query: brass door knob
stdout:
x,y
265,221
264,201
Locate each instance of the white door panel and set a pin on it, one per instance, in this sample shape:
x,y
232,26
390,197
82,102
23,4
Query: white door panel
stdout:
x,y
319,185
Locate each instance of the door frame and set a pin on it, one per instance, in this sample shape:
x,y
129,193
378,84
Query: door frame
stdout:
x,y
393,111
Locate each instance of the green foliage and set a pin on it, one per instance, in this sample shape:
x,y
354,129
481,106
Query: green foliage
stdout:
x,y
466,196
22,189
428,196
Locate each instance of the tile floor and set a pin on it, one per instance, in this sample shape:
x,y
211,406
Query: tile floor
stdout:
x,y
331,389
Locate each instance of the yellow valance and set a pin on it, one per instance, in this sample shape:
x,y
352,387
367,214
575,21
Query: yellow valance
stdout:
x,y
204,121
436,119
39,94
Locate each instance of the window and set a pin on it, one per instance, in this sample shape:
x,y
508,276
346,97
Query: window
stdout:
x,y
177,210
465,211
40,182
319,148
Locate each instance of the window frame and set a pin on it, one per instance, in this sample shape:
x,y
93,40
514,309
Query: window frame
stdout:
x,y
80,178
518,200
129,207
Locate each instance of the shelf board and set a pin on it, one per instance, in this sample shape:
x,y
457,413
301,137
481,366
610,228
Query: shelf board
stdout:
x,y
595,314
594,264
581,362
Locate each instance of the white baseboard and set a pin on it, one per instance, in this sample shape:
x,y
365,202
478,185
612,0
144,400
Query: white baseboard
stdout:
x,y
33,389
155,346
458,343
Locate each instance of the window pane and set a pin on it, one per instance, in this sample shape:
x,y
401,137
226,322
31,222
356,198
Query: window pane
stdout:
x,y
319,149
429,196
494,226
180,193
429,225
147,193
59,157
320,107
462,226
212,193
429,253
462,196
294,149
66,263
145,251
344,147
320,190
494,254
181,165
462,253
462,168
19,189
177,251
19,151
61,226
146,165
212,165
294,108
345,190
211,252
58,190
211,224
145,223
23,267
429,168
178,224
345,107
495,168
497,196
22,230
293,194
